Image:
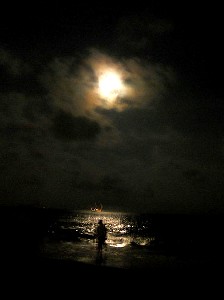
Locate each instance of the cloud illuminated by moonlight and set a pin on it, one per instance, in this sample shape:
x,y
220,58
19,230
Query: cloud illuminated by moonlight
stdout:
x,y
77,88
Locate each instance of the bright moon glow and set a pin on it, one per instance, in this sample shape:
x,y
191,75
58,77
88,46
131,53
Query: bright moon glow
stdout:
x,y
110,86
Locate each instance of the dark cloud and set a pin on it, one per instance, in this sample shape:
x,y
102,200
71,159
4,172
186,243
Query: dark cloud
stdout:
x,y
68,127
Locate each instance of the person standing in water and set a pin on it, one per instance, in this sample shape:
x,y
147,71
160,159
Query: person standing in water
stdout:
x,y
101,235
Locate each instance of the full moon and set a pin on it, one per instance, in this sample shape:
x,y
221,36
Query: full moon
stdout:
x,y
110,86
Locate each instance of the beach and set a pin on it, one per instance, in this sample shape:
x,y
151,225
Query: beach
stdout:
x,y
29,259
60,278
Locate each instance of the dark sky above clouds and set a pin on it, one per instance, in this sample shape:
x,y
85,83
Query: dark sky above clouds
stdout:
x,y
155,146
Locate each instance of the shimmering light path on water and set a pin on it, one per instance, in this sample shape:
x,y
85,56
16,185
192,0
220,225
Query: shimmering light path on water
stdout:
x,y
133,241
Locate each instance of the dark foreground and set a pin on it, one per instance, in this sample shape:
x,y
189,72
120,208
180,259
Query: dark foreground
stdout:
x,y
61,277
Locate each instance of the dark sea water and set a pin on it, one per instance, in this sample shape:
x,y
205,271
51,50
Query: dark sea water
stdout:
x,y
134,241
55,251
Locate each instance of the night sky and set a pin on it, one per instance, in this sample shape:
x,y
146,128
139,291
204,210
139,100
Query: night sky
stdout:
x,y
154,143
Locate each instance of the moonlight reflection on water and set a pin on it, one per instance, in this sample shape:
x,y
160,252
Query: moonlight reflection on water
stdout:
x,y
133,240
72,237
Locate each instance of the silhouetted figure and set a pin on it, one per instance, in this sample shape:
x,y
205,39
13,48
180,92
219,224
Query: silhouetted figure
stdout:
x,y
101,235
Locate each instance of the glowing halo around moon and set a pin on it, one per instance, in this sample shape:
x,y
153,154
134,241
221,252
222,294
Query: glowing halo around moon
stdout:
x,y
110,86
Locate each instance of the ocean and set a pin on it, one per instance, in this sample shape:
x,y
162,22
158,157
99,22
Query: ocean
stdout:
x,y
134,241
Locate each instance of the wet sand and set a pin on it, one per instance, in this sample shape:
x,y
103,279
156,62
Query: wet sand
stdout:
x,y
38,277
